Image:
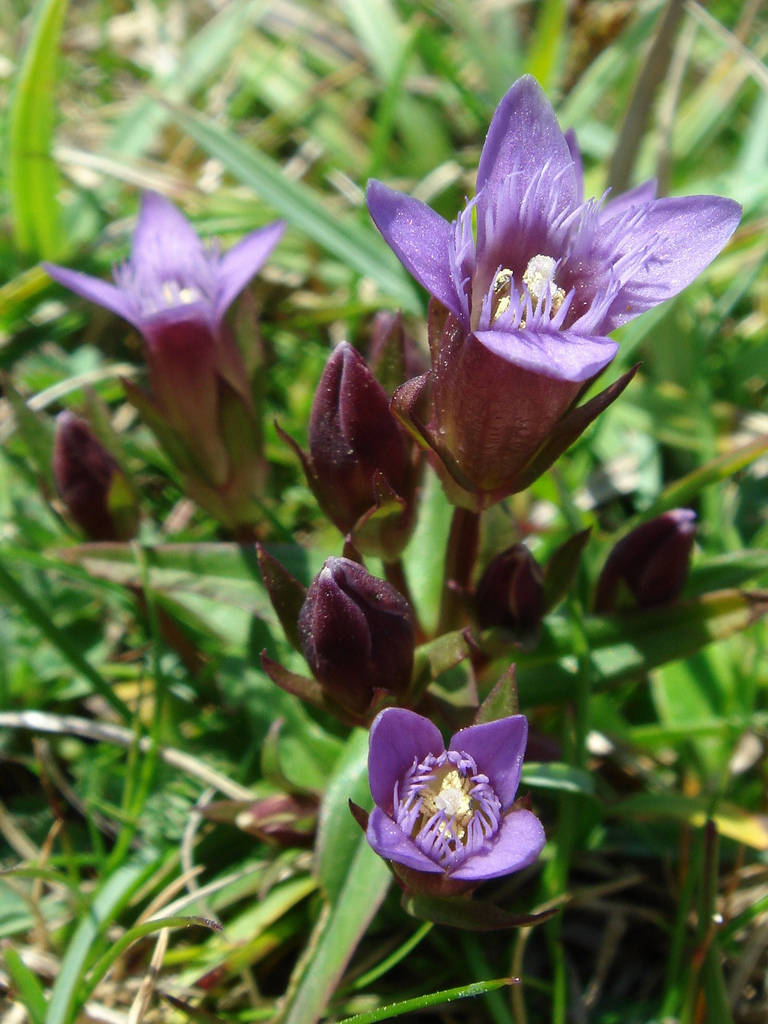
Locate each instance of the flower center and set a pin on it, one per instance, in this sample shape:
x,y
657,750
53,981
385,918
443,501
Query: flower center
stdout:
x,y
539,279
447,807
538,284
452,799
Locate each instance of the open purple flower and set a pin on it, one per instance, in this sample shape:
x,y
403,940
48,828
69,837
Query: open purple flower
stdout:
x,y
171,278
175,292
534,275
450,812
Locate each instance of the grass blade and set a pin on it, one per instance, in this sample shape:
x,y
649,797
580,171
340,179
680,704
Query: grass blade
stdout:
x,y
357,247
32,175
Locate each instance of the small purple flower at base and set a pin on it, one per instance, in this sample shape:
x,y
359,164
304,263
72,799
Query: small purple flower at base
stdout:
x,y
529,296
175,292
446,819
650,564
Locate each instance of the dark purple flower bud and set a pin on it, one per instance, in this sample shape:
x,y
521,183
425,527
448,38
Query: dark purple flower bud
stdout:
x,y
176,293
357,635
449,813
511,591
96,492
651,562
361,464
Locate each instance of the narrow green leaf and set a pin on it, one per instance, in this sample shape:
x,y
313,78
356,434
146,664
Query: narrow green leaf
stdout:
x,y
624,647
338,833
116,950
40,618
36,432
356,246
29,991
682,492
31,173
66,995
470,914
732,821
554,775
336,937
447,995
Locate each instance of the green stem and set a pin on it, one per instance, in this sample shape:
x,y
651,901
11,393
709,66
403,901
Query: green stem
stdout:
x,y
460,556
395,574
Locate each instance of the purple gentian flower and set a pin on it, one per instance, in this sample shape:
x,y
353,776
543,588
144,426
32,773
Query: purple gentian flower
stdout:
x,y
450,812
171,278
176,292
547,276
527,283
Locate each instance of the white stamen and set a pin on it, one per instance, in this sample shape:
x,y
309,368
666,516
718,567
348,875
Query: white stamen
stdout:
x,y
539,279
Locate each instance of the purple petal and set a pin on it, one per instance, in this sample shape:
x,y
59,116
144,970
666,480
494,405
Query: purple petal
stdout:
x,y
240,263
93,289
525,137
398,737
563,355
163,232
644,193
518,843
390,842
498,749
679,236
578,164
420,238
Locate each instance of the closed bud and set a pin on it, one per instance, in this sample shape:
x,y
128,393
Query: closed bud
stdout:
x,y
361,465
357,634
91,484
511,591
651,562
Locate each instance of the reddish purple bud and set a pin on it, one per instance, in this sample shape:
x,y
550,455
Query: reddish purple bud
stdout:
x,y
511,591
652,562
361,465
96,492
357,635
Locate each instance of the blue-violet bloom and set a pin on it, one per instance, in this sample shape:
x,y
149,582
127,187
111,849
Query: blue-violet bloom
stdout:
x,y
450,812
531,273
176,292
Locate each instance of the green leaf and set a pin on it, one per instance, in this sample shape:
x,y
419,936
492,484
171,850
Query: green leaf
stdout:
x,y
337,934
732,821
470,914
729,570
623,647
682,492
32,175
554,775
66,994
35,431
29,991
358,247
501,701
40,618
447,995
338,833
